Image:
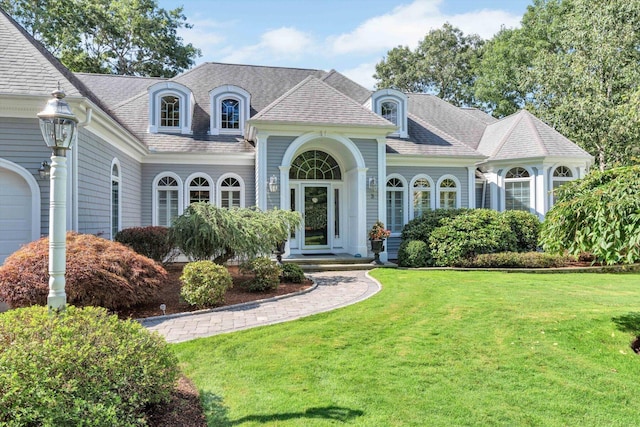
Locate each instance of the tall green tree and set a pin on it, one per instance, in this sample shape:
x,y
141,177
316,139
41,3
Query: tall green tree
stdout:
x,y
442,64
128,37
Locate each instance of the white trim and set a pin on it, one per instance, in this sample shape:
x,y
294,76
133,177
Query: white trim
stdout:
x,y
187,187
118,178
405,197
432,193
209,159
35,194
551,179
471,192
458,190
420,160
219,94
219,188
294,147
400,99
532,186
187,103
154,198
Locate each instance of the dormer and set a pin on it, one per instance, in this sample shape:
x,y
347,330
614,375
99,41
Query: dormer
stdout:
x,y
392,105
170,108
229,110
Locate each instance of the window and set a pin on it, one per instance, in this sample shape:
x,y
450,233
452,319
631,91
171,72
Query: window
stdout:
x,y
448,193
517,190
115,198
316,165
170,112
561,175
167,206
230,110
199,189
389,110
421,196
395,204
231,191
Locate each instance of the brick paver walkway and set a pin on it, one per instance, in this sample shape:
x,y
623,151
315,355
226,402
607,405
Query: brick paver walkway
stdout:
x,y
334,289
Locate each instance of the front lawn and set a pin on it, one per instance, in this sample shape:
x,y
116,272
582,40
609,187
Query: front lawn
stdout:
x,y
437,348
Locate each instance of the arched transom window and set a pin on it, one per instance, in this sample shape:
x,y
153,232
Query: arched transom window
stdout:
x,y
517,189
448,194
389,110
230,192
230,114
168,200
561,175
199,190
316,165
395,204
170,111
421,196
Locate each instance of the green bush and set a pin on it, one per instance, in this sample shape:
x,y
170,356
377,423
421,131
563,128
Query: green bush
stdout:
x,y
292,273
99,273
520,260
82,367
599,214
153,242
458,240
413,253
266,274
526,227
204,283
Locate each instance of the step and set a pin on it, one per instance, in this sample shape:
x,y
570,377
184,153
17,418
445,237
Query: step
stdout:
x,y
326,259
313,268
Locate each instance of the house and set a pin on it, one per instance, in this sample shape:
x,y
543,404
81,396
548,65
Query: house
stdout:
x,y
240,135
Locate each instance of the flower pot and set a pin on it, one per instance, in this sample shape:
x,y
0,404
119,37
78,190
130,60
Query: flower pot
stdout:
x,y
377,246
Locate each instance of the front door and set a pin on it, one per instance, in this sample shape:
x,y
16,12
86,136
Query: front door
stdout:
x,y
316,217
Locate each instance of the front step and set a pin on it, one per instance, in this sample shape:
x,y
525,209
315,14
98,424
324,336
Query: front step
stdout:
x,y
339,262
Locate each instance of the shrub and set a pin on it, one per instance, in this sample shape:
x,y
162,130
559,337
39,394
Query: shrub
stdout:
x,y
520,260
421,228
413,253
153,242
458,240
292,273
599,214
526,227
204,283
99,273
80,367
266,274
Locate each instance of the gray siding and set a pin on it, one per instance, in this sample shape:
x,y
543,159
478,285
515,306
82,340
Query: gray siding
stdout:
x,y
151,170
369,150
21,143
95,156
276,147
408,172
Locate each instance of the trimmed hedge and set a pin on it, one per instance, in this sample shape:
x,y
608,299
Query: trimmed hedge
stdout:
x,y
520,260
99,273
413,253
153,242
82,367
292,273
204,283
266,274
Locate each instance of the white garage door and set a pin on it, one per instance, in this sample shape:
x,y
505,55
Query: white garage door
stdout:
x,y
15,213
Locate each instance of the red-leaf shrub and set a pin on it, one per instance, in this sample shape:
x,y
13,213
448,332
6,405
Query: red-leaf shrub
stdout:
x,y
152,241
99,273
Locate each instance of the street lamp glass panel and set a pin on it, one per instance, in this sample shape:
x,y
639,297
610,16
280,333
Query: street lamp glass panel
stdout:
x,y
57,122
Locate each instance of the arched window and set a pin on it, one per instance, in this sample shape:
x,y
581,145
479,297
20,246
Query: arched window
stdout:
x,y
316,165
517,189
561,175
389,110
230,114
422,187
448,193
231,191
170,112
395,204
115,198
199,189
168,192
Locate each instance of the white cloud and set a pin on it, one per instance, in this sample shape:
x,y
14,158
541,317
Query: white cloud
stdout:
x,y
281,43
206,35
363,74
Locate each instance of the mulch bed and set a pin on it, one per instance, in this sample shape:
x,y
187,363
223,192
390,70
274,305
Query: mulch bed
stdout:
x,y
184,408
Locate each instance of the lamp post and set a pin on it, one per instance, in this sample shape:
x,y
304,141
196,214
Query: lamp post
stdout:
x,y
58,125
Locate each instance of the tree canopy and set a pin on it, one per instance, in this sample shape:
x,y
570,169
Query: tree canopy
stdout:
x,y
128,37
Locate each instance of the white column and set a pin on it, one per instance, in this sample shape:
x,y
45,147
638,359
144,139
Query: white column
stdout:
x,y
540,192
361,203
471,200
261,171
57,298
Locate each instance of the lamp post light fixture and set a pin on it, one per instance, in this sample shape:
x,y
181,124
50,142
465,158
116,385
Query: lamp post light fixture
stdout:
x,y
58,125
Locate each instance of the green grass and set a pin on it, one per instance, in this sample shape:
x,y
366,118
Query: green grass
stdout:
x,y
437,348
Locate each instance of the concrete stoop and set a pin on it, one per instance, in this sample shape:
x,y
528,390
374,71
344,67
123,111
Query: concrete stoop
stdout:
x,y
338,262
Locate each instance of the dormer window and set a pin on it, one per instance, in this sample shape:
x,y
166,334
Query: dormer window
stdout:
x,y
170,108
229,110
392,105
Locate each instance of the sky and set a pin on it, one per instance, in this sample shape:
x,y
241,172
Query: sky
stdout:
x,y
349,36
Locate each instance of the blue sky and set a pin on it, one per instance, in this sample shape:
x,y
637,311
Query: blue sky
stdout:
x,y
350,36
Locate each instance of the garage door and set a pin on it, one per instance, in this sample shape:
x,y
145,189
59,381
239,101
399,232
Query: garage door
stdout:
x,y
15,213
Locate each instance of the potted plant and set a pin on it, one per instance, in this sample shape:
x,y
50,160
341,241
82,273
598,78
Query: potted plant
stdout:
x,y
377,235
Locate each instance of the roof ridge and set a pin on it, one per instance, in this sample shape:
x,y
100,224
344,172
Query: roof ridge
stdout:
x,y
255,66
503,140
531,124
283,96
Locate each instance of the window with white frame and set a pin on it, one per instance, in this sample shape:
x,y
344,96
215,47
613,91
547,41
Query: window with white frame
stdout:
x,y
448,193
115,198
170,108
167,204
199,189
517,189
389,110
392,105
561,175
170,112
395,204
231,191
230,108
422,190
